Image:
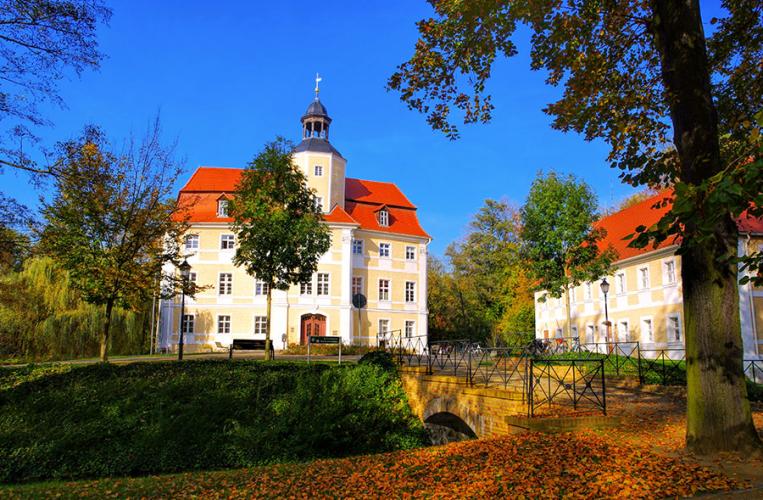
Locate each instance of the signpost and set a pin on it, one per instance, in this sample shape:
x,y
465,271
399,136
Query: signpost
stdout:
x,y
312,339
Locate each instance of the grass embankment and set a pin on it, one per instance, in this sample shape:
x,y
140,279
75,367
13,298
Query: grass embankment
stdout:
x,y
519,466
63,422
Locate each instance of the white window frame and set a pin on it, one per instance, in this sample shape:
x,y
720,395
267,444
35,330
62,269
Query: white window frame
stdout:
x,y
223,324
306,288
410,253
620,283
319,203
588,292
590,329
227,241
357,284
225,287
670,333
574,331
647,333
387,327
642,283
387,253
260,287
410,328
670,272
323,284
260,323
410,292
384,217
222,208
188,323
191,241
357,247
571,293
318,170
620,336
385,292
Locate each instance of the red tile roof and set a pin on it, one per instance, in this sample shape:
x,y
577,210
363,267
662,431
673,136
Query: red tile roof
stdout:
x,y
625,222
362,199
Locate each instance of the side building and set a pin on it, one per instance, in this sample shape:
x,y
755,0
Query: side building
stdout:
x,y
378,249
644,302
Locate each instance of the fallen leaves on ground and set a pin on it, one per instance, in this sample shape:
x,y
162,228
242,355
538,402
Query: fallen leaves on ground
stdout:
x,y
531,465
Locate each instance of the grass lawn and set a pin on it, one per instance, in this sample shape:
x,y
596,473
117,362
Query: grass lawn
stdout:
x,y
67,422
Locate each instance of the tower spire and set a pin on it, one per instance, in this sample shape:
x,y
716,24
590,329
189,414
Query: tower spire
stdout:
x,y
318,80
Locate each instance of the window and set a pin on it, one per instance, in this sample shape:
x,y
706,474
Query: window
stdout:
x,y
192,278
227,241
643,275
674,328
225,286
589,331
410,253
571,292
620,282
588,291
188,323
260,325
323,284
319,203
559,333
260,287
192,242
410,291
383,217
306,288
384,249
357,247
357,285
623,334
383,289
647,330
223,324
318,170
222,208
670,272
410,327
574,331
383,327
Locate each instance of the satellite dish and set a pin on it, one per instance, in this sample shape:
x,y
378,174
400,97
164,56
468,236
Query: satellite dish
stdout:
x,y
359,300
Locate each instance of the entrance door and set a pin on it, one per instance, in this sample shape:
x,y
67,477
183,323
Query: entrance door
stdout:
x,y
312,324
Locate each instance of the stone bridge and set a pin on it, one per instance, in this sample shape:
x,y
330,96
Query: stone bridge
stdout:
x,y
452,402
473,410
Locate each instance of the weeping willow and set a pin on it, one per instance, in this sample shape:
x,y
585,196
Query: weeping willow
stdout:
x,y
43,317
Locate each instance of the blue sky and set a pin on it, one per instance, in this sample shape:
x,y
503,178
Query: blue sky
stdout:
x,y
229,76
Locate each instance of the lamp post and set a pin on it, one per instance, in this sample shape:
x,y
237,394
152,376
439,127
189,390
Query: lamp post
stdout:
x,y
605,290
185,272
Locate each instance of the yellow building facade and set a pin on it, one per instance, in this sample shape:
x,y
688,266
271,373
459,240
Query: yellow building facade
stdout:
x,y
378,251
645,299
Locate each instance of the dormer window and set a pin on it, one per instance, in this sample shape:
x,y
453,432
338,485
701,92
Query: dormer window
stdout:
x,y
384,217
222,208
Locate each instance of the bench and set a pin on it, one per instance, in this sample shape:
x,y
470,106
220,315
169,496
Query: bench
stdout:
x,y
250,345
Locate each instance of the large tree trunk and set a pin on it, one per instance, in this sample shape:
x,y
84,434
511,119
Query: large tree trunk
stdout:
x,y
105,334
267,323
718,413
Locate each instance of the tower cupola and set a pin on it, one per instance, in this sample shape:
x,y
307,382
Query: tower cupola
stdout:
x,y
316,120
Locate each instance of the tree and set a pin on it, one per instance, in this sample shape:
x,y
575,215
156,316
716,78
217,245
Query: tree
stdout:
x,y
636,73
113,224
39,41
278,224
559,239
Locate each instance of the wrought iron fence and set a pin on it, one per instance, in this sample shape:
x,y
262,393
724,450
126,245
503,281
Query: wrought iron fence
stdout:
x,y
576,383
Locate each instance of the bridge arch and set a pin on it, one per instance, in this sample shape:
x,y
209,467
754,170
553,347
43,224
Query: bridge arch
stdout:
x,y
446,412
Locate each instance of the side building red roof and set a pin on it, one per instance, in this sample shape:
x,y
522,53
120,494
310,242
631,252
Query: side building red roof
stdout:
x,y
647,213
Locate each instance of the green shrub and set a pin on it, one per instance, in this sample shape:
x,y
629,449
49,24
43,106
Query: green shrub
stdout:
x,y
149,418
327,349
754,391
382,359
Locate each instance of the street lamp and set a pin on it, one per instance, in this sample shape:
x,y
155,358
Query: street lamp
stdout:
x,y
605,290
185,272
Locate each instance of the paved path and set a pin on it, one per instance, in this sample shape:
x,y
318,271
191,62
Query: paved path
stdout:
x,y
190,357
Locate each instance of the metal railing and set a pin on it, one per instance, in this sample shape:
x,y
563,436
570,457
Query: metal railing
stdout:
x,y
753,369
579,383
